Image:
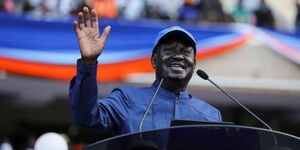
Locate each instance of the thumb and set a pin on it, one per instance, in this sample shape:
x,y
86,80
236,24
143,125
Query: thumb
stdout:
x,y
105,34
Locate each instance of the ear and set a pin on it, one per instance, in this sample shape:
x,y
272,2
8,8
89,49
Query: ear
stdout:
x,y
153,60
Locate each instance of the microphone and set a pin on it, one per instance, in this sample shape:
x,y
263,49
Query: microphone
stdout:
x,y
150,104
204,76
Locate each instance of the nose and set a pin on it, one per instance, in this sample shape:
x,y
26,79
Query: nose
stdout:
x,y
178,56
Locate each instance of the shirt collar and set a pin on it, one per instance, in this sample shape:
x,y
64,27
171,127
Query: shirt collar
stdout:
x,y
166,93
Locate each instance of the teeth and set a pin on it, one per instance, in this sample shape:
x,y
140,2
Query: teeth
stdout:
x,y
175,65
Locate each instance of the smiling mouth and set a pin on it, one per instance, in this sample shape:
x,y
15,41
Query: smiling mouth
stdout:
x,y
176,66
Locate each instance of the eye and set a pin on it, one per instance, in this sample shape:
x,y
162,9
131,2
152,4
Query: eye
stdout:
x,y
168,50
187,51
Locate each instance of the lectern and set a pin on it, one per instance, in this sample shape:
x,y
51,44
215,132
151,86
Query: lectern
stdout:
x,y
201,137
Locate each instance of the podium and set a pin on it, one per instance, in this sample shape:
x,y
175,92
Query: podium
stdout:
x,y
201,137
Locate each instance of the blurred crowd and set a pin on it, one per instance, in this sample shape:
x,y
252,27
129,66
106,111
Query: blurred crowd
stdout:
x,y
46,141
183,10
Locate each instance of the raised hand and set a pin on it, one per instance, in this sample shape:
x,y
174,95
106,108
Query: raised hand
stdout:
x,y
90,42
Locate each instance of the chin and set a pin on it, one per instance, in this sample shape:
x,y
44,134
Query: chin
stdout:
x,y
177,77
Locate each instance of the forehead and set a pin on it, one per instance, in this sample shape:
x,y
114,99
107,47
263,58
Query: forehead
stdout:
x,y
174,41
175,44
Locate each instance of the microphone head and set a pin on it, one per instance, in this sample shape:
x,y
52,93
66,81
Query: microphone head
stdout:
x,y
202,74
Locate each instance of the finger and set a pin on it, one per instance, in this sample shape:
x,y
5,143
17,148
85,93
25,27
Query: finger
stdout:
x,y
86,15
94,19
81,20
76,28
105,34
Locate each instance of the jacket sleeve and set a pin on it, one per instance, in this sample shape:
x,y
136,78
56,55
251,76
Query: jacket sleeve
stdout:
x,y
89,111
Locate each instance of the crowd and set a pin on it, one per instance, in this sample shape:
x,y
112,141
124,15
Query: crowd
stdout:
x,y
45,141
298,15
193,11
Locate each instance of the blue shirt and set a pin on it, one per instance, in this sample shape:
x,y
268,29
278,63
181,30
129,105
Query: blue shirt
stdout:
x,y
122,110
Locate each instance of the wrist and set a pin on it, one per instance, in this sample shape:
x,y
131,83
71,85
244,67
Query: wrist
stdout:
x,y
88,62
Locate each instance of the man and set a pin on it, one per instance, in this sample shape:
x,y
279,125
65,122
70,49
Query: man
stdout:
x,y
173,58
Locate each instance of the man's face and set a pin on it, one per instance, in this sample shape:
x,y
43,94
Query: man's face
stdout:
x,y
174,60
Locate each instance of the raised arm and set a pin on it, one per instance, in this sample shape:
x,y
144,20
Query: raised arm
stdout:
x,y
91,44
83,95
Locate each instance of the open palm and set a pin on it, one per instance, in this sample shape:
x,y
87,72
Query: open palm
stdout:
x,y
90,42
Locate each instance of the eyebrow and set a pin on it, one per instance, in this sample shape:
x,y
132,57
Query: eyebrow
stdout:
x,y
174,44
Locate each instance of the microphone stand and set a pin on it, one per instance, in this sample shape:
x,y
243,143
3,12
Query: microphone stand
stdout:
x,y
144,144
204,76
150,104
240,104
